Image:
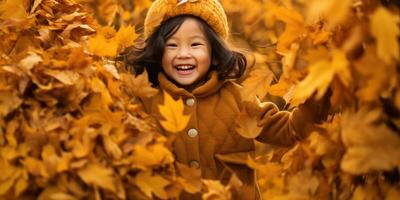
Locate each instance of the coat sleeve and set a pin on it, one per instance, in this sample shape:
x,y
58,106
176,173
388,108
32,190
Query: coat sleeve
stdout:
x,y
284,127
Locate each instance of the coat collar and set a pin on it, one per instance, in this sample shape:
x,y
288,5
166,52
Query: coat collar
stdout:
x,y
209,87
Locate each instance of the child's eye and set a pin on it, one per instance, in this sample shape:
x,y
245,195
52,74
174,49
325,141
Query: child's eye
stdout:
x,y
171,45
196,44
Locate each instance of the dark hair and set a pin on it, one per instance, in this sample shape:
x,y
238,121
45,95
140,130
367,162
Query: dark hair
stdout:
x,y
148,54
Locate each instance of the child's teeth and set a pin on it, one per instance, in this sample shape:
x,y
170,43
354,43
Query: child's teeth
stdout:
x,y
184,67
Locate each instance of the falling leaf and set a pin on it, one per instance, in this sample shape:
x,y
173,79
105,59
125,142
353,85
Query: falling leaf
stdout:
x,y
321,75
295,26
369,147
257,84
98,175
334,12
385,29
150,184
172,111
247,121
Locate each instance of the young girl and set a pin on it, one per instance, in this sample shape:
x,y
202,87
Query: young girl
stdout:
x,y
186,54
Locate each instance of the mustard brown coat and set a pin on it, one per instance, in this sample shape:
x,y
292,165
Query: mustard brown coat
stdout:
x,y
210,136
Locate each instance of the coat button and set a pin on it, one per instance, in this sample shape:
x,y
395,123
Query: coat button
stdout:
x,y
190,101
192,132
194,164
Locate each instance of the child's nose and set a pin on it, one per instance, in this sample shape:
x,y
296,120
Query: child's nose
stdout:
x,y
183,53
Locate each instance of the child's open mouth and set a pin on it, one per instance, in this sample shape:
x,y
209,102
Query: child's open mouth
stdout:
x,y
184,69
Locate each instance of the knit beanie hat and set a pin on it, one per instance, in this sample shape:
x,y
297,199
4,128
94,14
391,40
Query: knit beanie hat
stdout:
x,y
211,11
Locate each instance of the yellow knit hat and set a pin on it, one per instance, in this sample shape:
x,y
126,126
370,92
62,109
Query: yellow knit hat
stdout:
x,y
211,11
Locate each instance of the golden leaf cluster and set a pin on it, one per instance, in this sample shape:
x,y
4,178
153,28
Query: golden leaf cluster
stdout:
x,y
71,126
70,123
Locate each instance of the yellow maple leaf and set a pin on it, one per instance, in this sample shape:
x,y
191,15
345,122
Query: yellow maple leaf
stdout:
x,y
385,29
98,175
321,75
13,9
101,46
125,36
151,184
138,85
191,178
172,111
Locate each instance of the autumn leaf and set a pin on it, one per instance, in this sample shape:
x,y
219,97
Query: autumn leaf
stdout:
x,y
8,102
98,175
101,46
191,178
257,84
150,184
139,86
385,29
30,61
215,190
373,85
369,147
152,155
172,111
125,36
295,26
320,76
13,9
66,77
247,120
334,12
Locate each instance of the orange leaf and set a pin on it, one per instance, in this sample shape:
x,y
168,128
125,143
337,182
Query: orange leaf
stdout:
x,y
152,155
257,84
151,184
13,9
172,111
139,85
125,36
247,123
321,75
98,175
101,46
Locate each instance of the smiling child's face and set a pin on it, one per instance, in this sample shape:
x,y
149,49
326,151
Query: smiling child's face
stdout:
x,y
187,54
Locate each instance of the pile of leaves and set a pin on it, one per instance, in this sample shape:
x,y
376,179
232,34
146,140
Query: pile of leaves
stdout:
x,y
70,127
